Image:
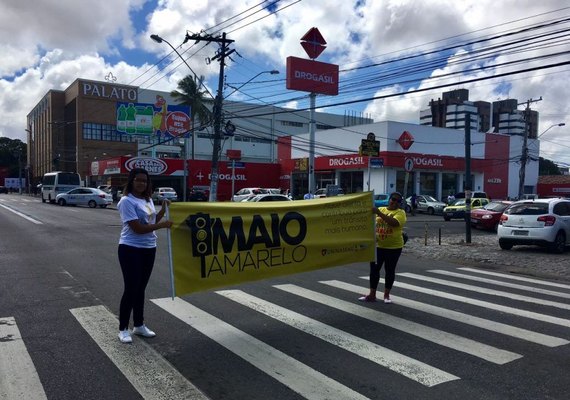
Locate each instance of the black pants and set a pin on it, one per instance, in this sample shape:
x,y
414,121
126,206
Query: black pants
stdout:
x,y
389,258
136,264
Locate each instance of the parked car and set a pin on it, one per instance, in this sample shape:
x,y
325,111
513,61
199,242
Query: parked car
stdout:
x,y
381,200
457,209
478,195
245,193
542,222
426,204
196,194
85,196
267,197
105,188
323,192
164,193
489,216
3,189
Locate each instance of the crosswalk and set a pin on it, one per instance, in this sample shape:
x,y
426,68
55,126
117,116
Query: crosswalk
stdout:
x,y
494,305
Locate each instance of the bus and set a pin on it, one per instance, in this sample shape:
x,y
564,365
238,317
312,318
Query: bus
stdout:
x,y
54,183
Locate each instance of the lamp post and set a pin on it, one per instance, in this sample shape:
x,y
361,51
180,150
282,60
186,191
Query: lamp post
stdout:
x,y
550,127
272,72
158,39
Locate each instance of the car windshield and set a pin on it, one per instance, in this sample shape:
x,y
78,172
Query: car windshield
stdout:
x,y
495,206
458,202
429,198
528,209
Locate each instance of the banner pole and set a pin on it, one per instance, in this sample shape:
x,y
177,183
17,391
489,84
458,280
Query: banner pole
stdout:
x,y
170,266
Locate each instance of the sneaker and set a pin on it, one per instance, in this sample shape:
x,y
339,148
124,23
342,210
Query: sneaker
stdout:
x,y
125,336
368,298
143,331
387,300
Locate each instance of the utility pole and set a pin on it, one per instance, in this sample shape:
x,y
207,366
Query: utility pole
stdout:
x,y
524,155
221,55
468,184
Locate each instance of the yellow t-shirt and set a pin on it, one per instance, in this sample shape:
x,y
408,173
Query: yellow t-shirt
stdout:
x,y
390,237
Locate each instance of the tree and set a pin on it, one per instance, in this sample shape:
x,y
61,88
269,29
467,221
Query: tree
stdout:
x,y
547,167
189,94
10,150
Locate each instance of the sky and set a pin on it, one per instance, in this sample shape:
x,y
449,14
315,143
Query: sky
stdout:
x,y
394,56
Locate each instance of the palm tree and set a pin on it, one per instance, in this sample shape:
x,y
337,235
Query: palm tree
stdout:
x,y
189,94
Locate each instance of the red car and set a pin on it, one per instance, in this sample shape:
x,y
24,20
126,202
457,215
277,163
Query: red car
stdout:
x,y
488,217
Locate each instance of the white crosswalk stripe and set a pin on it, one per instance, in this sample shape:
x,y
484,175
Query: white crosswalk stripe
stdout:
x,y
515,277
407,366
18,376
446,339
486,304
499,283
149,373
493,292
297,376
504,329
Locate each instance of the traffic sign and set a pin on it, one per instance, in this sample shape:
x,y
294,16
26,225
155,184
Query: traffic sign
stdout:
x,y
376,162
370,147
237,164
409,165
313,43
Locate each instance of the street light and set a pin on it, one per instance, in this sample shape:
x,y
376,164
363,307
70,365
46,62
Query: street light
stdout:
x,y
551,126
272,72
158,39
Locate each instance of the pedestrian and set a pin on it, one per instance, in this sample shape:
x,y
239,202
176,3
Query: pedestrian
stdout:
x,y
308,196
450,198
390,222
414,201
137,249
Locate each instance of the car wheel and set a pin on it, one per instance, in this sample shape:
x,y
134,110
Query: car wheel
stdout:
x,y
559,244
505,245
408,209
446,218
92,204
496,227
43,200
431,211
103,206
61,202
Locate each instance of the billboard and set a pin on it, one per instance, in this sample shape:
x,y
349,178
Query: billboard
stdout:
x,y
158,119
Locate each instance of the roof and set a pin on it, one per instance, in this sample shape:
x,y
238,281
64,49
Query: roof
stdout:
x,y
554,179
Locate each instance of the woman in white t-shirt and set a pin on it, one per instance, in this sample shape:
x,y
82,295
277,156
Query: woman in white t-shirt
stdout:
x,y
137,250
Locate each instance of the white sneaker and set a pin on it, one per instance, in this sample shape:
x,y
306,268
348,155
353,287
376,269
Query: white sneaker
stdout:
x,y
125,336
143,331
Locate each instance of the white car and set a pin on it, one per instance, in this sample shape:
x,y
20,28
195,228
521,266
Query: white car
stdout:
x,y
425,203
542,222
85,196
164,193
267,197
246,193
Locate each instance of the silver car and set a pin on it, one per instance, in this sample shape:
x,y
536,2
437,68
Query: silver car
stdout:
x,y
85,196
542,222
426,204
267,197
164,193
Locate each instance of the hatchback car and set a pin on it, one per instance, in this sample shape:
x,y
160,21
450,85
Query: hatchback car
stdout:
x,y
164,193
458,208
542,222
267,197
489,216
426,204
85,197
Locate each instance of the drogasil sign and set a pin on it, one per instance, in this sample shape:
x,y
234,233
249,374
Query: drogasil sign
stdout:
x,y
312,76
154,166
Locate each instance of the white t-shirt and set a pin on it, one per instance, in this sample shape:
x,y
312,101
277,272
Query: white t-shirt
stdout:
x,y
131,208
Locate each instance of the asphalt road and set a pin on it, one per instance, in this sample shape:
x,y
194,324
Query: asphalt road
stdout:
x,y
452,333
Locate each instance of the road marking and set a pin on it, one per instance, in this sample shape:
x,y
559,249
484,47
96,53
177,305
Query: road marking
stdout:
x,y
442,338
407,366
297,376
517,278
492,292
500,283
35,221
18,376
484,304
504,329
150,374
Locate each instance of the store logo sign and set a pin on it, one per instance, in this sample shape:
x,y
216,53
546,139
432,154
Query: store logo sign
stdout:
x,y
154,166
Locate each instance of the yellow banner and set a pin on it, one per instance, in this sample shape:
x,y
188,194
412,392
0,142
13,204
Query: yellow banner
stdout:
x,y
220,244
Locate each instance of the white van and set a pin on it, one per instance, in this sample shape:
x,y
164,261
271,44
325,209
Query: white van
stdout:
x,y
54,183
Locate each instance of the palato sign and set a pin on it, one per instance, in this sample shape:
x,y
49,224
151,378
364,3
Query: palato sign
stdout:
x,y
220,244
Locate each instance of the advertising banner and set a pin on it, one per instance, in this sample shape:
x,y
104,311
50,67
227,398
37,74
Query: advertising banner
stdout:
x,y
158,119
220,244
312,76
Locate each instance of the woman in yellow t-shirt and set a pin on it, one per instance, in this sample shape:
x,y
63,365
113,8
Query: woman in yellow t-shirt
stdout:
x,y
389,243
